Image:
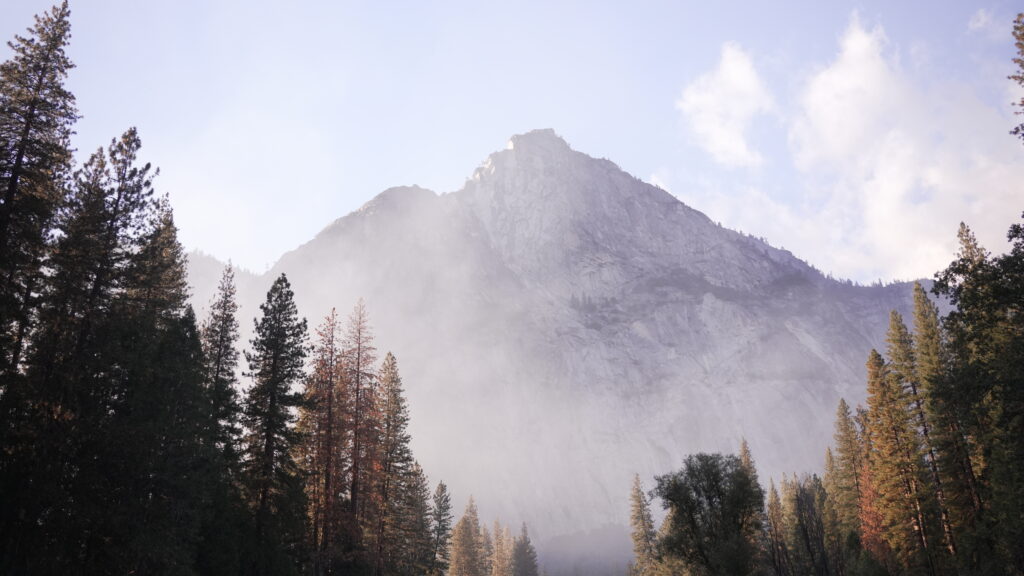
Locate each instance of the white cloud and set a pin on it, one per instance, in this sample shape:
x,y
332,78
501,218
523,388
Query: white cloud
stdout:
x,y
983,22
905,163
980,20
720,105
887,166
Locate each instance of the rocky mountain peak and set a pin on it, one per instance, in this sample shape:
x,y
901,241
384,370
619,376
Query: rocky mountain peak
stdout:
x,y
543,141
398,197
583,320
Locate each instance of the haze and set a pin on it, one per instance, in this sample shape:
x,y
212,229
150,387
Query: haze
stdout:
x,y
264,116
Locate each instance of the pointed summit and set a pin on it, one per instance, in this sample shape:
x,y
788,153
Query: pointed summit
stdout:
x,y
541,141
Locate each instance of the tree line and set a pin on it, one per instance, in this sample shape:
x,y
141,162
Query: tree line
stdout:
x,y
927,479
125,445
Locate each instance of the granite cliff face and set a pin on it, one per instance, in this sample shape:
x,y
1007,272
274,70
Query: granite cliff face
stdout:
x,y
561,325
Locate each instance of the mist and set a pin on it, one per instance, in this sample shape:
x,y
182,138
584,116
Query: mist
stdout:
x,y
562,326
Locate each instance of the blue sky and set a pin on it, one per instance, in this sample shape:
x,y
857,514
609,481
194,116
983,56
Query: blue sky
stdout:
x,y
857,136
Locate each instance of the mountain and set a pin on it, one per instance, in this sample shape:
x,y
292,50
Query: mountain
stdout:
x,y
561,325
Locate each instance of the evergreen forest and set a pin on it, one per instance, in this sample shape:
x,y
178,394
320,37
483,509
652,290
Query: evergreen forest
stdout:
x,y
135,438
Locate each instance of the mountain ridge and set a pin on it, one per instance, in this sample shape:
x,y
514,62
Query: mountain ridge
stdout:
x,y
558,314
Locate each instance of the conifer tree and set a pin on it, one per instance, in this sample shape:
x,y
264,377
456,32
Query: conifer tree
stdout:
x,y
161,415
271,476
778,552
363,418
466,547
395,462
985,332
441,530
322,450
36,116
872,523
412,535
903,368
220,362
503,543
53,417
486,549
835,537
226,521
896,465
1018,75
524,556
845,478
642,527
804,526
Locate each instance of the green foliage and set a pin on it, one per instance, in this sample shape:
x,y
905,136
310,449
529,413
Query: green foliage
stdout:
x,y
986,341
715,514
272,478
220,362
441,530
524,557
36,117
803,526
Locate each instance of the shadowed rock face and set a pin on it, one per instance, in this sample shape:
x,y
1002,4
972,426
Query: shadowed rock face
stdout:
x,y
561,325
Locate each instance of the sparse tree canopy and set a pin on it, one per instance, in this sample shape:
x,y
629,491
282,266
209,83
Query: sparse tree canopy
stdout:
x,y
1018,76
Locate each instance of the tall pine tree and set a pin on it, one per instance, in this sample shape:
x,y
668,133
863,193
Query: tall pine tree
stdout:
x,y
441,530
896,462
524,556
361,395
36,117
220,363
272,476
466,547
395,464
642,527
323,449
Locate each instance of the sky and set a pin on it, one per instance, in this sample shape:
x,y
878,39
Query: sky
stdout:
x,y
857,136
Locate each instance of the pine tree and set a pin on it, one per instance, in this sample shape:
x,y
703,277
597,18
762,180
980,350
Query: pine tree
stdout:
x,y
896,465
362,401
413,533
846,472
466,547
1018,76
524,556
322,451
985,332
486,549
225,523
441,530
872,523
271,476
56,416
778,552
903,364
36,116
804,529
159,422
220,336
836,537
502,563
395,461
642,526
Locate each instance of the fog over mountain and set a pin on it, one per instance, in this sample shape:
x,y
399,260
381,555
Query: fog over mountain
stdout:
x,y
561,325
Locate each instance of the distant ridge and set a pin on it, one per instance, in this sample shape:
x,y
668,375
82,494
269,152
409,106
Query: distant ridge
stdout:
x,y
561,325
